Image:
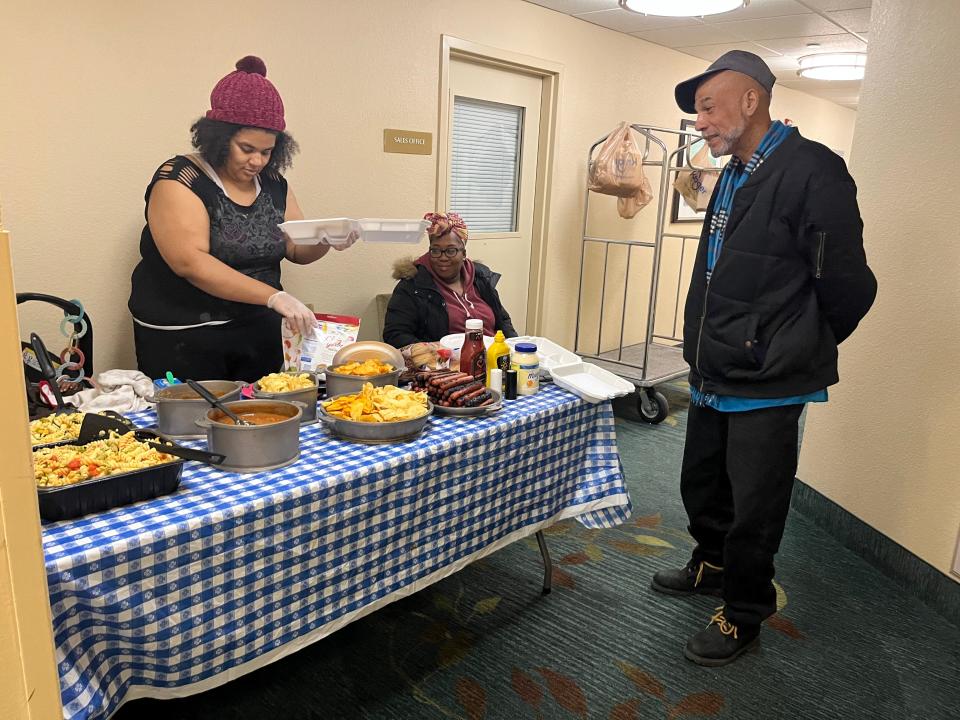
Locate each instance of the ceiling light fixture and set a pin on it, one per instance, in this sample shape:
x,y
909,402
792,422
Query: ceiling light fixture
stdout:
x,y
682,8
833,66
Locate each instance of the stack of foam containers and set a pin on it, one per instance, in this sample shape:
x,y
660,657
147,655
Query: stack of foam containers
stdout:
x,y
568,371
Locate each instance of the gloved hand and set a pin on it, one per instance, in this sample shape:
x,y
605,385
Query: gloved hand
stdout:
x,y
297,314
351,238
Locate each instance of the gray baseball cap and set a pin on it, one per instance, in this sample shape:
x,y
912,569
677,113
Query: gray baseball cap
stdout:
x,y
740,61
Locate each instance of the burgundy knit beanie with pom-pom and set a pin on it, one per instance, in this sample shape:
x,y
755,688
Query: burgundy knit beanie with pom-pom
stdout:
x,y
246,97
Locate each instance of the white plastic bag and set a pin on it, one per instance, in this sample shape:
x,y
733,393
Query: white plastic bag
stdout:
x,y
696,186
617,168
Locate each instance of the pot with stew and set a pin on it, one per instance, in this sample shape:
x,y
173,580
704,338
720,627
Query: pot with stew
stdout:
x,y
178,406
272,439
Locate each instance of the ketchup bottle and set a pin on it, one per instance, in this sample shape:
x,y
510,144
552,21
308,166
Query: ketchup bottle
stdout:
x,y
473,354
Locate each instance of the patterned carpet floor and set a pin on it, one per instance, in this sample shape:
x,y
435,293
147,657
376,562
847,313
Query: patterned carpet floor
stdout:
x,y
847,642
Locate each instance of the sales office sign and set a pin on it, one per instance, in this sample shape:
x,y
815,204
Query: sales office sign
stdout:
x,y
407,141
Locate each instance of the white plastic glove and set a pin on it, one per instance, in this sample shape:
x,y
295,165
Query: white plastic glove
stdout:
x,y
351,238
298,315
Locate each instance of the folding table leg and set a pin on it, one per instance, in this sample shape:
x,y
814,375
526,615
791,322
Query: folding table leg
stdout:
x,y
547,565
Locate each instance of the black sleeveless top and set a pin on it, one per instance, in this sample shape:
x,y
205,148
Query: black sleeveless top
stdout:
x,y
245,238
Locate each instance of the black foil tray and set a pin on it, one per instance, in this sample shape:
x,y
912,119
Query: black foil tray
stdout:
x,y
99,494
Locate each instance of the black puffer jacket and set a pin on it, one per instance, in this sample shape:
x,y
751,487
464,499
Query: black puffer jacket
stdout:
x,y
417,311
791,282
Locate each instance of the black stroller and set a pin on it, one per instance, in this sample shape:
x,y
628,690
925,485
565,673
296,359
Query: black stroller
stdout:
x,y
65,373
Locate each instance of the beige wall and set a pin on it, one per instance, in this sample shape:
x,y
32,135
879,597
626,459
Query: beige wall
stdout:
x,y
885,447
107,91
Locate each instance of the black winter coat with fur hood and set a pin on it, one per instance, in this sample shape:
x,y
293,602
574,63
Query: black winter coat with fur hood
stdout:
x,y
417,311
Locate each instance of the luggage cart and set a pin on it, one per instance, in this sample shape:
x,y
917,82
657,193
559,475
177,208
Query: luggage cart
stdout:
x,y
657,358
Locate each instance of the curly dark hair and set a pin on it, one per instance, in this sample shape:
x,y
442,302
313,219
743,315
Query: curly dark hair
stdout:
x,y
212,139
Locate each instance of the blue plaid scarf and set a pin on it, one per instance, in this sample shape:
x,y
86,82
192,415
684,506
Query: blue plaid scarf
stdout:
x,y
734,175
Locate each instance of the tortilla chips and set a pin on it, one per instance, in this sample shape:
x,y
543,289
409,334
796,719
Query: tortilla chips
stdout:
x,y
366,368
378,404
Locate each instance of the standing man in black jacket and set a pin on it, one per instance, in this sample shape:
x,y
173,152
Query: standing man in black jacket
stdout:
x,y
779,281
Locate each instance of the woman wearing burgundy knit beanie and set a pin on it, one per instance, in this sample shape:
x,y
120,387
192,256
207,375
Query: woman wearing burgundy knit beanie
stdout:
x,y
206,297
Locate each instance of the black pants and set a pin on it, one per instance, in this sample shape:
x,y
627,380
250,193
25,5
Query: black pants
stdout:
x,y
239,350
737,475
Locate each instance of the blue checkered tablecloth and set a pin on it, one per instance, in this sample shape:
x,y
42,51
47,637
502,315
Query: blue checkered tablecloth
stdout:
x,y
179,594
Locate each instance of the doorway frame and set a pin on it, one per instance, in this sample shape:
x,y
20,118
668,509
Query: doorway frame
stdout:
x,y
550,74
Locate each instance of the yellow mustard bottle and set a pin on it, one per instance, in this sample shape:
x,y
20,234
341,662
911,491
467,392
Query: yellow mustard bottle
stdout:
x,y
498,356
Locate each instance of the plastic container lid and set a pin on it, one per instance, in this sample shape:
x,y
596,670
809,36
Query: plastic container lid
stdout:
x,y
474,324
524,347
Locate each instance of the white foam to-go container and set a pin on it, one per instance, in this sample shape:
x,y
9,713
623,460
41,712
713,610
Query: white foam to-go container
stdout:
x,y
395,231
333,231
550,353
591,382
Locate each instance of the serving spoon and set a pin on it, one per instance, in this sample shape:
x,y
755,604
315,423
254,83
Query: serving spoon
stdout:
x,y
212,399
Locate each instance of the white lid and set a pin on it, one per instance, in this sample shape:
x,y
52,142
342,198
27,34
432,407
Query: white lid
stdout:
x,y
474,324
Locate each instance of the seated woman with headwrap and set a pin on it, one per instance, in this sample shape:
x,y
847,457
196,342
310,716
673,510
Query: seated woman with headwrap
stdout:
x,y
442,288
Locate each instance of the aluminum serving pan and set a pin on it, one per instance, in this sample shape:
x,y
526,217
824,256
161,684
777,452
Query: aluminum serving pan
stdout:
x,y
178,406
63,502
254,448
308,396
373,433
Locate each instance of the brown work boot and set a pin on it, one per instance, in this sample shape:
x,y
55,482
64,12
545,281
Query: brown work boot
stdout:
x,y
721,642
696,578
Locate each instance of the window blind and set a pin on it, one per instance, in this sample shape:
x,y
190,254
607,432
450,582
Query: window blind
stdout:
x,y
485,164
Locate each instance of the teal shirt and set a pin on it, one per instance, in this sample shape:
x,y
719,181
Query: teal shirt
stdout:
x,y
730,403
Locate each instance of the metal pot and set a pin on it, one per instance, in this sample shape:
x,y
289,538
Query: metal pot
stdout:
x,y
350,384
178,407
254,448
367,349
308,396
375,433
